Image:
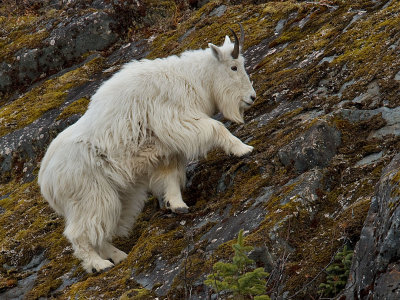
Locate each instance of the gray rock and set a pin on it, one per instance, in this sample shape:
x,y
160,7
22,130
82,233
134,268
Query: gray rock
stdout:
x,y
201,3
397,76
27,283
390,115
66,44
315,148
303,189
375,268
256,53
357,115
327,59
228,227
372,94
82,34
186,34
370,159
218,11
282,108
344,87
304,21
128,52
21,149
261,255
163,275
387,4
228,177
28,65
359,14
279,26
5,78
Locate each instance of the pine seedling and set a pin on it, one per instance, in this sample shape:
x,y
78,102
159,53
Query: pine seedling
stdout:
x,y
337,273
237,277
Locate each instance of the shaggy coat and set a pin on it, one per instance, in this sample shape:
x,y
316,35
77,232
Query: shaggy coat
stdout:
x,y
141,127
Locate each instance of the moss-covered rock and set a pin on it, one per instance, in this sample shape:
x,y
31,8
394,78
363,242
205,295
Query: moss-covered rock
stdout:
x,y
77,107
39,43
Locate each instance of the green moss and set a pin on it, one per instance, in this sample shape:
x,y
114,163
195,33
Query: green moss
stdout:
x,y
77,107
214,29
28,227
24,40
49,95
137,294
20,34
154,242
287,36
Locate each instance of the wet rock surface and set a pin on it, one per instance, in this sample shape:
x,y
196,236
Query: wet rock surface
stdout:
x,y
375,268
324,127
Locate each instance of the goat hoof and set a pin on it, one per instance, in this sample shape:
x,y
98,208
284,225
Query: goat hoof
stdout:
x,y
181,210
100,266
97,272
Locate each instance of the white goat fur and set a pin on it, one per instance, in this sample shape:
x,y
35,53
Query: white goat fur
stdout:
x,y
141,127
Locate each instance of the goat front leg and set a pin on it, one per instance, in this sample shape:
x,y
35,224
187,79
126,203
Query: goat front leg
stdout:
x,y
173,196
196,136
166,183
227,141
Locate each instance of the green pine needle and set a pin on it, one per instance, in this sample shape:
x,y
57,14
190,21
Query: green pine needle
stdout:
x,y
237,277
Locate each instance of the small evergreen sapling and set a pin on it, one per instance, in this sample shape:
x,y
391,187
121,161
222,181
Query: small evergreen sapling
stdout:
x,y
237,277
337,273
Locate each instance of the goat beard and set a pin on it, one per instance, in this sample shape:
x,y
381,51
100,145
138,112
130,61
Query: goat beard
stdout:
x,y
234,113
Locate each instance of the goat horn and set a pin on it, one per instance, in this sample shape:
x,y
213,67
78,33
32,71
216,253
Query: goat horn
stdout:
x,y
238,44
235,52
241,41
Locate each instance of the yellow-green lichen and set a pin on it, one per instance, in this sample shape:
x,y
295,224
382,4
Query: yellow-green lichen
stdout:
x,y
213,28
137,294
77,107
20,34
47,96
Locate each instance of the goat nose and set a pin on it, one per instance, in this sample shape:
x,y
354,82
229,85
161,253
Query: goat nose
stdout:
x,y
252,97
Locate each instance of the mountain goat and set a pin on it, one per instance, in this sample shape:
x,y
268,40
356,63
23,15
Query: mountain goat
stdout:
x,y
141,127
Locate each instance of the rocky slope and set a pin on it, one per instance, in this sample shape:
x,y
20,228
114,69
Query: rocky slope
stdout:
x,y
325,128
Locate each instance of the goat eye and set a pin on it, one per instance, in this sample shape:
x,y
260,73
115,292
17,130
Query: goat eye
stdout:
x,y
234,68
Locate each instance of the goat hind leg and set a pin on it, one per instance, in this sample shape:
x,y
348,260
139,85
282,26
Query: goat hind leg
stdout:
x,y
91,260
91,221
132,202
109,252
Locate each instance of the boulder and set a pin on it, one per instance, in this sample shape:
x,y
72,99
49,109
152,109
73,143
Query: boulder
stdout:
x,y
66,44
315,148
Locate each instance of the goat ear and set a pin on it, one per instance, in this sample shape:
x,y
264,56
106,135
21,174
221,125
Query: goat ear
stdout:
x,y
215,51
227,40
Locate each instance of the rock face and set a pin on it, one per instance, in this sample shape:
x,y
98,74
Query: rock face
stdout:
x,y
325,129
65,44
315,148
376,263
